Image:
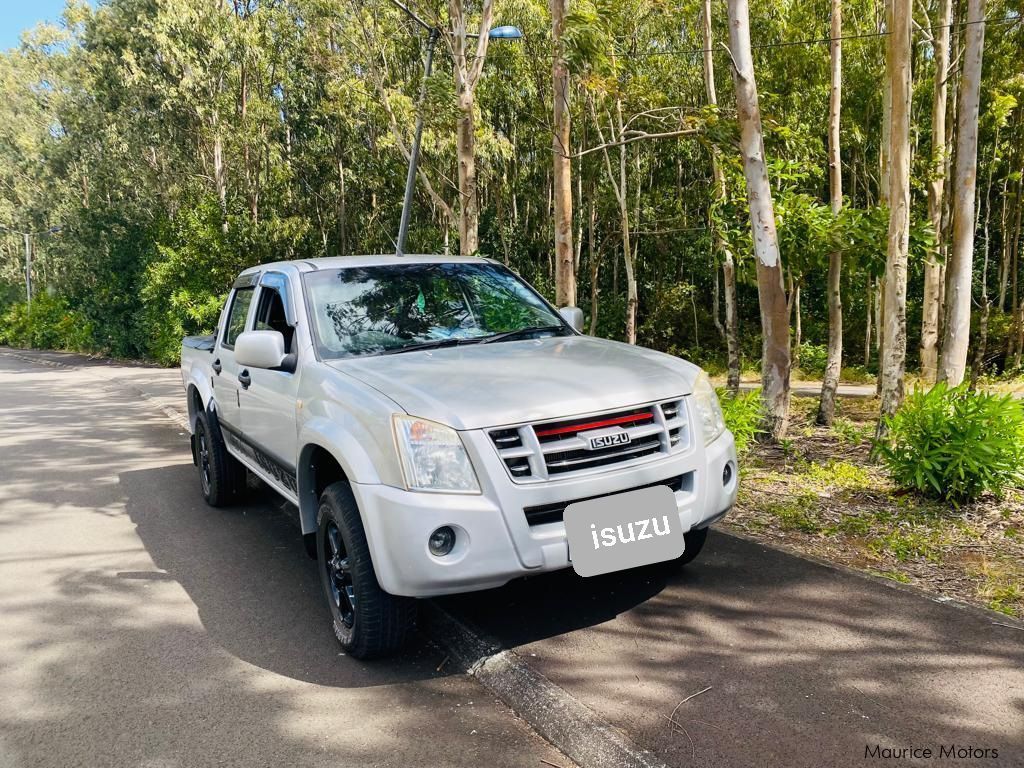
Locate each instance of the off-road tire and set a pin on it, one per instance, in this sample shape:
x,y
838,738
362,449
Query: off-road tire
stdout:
x,y
695,538
220,474
378,624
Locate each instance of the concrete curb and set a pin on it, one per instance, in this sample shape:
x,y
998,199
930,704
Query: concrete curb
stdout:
x,y
565,722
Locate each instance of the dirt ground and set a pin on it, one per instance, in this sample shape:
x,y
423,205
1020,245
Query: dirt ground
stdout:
x,y
819,493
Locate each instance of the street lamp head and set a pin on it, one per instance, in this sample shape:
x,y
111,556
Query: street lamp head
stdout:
x,y
506,32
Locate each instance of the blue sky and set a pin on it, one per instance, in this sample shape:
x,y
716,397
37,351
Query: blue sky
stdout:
x,y
18,15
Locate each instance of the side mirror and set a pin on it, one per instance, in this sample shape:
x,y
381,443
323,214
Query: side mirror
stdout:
x,y
573,316
260,349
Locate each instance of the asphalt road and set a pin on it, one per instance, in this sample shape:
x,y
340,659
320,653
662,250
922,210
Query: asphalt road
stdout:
x,y
138,627
142,628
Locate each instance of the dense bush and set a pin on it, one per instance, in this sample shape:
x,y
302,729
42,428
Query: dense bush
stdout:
x,y
812,359
955,444
744,416
49,324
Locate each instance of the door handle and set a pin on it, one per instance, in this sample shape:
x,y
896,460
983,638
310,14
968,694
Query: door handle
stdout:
x,y
216,366
244,379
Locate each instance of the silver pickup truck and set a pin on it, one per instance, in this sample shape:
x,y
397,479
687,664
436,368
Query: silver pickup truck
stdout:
x,y
433,418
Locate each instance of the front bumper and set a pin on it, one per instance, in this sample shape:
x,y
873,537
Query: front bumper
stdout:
x,y
494,543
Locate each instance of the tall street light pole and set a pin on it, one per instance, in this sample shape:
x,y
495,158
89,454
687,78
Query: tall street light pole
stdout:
x,y
28,268
410,179
497,33
27,237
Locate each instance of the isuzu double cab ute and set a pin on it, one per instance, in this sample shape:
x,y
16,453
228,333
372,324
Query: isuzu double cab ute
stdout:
x,y
441,428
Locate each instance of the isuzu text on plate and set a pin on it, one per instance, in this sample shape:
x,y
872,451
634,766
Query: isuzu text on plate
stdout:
x,y
624,530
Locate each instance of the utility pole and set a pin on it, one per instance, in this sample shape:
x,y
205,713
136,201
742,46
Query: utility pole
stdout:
x,y
28,267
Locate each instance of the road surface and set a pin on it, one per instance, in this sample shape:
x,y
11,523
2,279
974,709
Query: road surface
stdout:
x,y
142,628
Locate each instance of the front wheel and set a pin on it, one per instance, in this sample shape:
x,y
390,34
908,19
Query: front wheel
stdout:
x,y
695,538
368,622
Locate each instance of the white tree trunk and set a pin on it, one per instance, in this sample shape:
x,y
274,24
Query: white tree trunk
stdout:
x,y
894,319
834,364
958,292
930,308
467,74
565,273
732,325
775,359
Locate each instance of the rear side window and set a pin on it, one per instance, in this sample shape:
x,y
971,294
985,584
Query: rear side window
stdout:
x,y
236,317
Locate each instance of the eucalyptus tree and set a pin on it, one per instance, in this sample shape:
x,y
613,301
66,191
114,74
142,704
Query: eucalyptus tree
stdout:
x,y
775,355
894,327
933,268
834,364
957,326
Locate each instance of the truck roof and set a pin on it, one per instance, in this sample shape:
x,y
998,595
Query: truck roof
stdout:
x,y
336,262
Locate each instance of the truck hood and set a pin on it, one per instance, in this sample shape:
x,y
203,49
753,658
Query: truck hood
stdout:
x,y
491,385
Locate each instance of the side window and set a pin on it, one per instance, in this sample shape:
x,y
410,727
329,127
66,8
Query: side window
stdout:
x,y
270,315
236,317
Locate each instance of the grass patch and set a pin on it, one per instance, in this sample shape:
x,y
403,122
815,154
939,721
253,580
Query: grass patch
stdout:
x,y
849,432
910,545
893,575
797,514
852,525
834,472
1002,586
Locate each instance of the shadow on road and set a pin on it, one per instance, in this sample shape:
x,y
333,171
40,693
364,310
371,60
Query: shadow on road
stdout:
x,y
257,592
807,664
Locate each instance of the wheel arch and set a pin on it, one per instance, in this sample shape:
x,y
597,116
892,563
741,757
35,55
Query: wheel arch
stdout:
x,y
318,468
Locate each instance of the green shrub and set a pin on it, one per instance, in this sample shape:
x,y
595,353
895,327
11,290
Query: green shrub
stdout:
x,y
955,444
856,374
744,416
812,358
49,324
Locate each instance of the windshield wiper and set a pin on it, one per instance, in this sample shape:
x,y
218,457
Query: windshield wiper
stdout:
x,y
522,332
439,344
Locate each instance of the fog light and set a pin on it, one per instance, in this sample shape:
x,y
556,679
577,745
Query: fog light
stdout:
x,y
727,474
441,541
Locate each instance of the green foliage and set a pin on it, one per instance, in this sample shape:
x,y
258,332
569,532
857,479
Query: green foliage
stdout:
x,y
183,288
843,474
114,124
49,324
848,431
744,416
813,358
909,545
797,514
955,444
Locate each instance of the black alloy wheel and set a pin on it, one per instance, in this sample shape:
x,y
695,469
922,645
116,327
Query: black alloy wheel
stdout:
x,y
339,574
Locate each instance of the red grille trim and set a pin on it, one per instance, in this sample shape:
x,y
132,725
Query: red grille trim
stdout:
x,y
574,428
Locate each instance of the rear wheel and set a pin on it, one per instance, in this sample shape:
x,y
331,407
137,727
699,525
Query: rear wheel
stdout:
x,y
220,473
368,622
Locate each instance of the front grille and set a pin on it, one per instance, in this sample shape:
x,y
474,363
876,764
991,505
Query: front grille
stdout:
x,y
555,449
553,513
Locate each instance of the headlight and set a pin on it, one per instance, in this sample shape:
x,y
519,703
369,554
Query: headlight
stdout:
x,y
433,457
705,402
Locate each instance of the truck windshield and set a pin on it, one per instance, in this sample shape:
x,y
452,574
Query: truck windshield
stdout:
x,y
394,308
